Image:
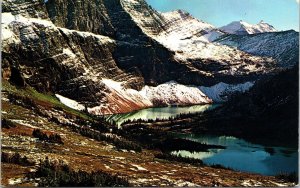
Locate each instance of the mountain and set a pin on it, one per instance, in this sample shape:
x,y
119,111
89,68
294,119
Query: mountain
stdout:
x,y
244,28
282,46
267,111
193,49
71,53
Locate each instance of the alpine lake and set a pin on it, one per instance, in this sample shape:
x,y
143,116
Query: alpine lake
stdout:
x,y
239,154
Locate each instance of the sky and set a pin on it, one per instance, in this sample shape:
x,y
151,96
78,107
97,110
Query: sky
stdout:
x,y
282,14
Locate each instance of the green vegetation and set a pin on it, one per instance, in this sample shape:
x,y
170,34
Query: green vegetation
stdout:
x,y
30,96
60,175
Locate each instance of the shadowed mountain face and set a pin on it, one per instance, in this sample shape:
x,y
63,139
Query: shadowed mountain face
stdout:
x,y
268,111
69,47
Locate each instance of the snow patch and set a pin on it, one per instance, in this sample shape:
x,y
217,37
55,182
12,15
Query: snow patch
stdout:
x,y
68,52
8,36
139,167
24,123
8,18
212,35
70,103
108,167
172,93
221,91
101,38
113,84
14,181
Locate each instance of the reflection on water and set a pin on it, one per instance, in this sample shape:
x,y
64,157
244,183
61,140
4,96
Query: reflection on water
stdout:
x,y
195,155
159,113
244,156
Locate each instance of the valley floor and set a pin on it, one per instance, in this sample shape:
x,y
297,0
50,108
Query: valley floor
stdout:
x,y
86,154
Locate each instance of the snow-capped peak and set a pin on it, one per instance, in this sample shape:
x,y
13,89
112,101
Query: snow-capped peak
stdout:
x,y
243,28
266,27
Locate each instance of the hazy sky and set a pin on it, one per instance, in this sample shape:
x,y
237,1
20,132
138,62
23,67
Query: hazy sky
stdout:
x,y
282,14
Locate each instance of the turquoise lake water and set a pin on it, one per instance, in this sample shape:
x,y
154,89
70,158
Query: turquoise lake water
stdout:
x,y
244,156
239,154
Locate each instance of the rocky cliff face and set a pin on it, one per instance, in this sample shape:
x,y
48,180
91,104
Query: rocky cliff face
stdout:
x,y
28,8
69,47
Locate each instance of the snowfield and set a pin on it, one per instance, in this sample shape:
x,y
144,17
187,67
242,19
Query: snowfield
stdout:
x,y
172,93
221,91
70,103
169,93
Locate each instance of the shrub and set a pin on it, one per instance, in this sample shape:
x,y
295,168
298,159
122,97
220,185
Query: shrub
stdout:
x,y
171,157
220,166
61,175
288,177
120,143
23,101
171,144
7,123
15,158
52,138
